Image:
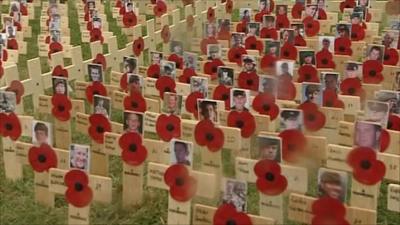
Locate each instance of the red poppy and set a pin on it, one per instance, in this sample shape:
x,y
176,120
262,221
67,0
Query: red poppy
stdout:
x,y
394,122
42,158
269,33
160,8
311,26
123,82
186,75
59,71
325,59
138,46
254,44
168,127
264,103
210,15
297,10
368,17
54,47
343,46
227,214
357,32
182,186
61,107
347,4
366,168
96,35
211,68
129,19
391,57
235,55
268,62
385,140
205,42
293,144
372,72
327,211
269,178
314,119
78,192
1,71
248,80
221,92
259,16
307,73
322,14
351,86
165,84
177,59
191,102
98,125
23,10
5,55
18,88
165,34
154,71
242,120
288,51
12,44
229,6
118,4
299,41
241,26
133,152
282,21
10,126
206,134
286,89
96,88
100,59
89,26
330,99
135,102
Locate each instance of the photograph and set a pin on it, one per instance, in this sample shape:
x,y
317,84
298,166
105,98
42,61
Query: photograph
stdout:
x,y
375,52
3,40
210,30
353,70
287,36
343,30
390,38
291,119
377,112
330,81
91,4
156,58
176,47
367,134
263,5
172,103
208,109
391,97
298,29
272,48
364,3
268,84
55,22
95,72
181,152
225,75
1,52
307,57
214,51
96,23
11,31
311,92
245,14
269,148
133,122
249,63
312,10
168,68
235,193
15,6
240,99
42,133
55,36
253,29
268,21
396,82
129,65
60,85
102,105
199,84
327,43
356,17
237,39
129,7
284,69
281,10
190,60
135,82
332,183
79,157
224,27
8,101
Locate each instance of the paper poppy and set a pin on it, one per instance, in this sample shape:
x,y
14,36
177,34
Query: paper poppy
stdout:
x,y
5,55
78,192
259,16
313,119
307,73
357,32
42,158
221,92
268,62
299,41
293,144
89,26
325,59
154,71
330,99
129,19
264,103
288,51
322,14
191,102
100,59
61,107
96,35
254,44
206,134
372,72
18,88
311,26
282,21
122,10
205,42
17,25
123,82
59,71
182,186
391,57
211,68
343,46
165,84
118,3
248,81
10,126
269,178
244,121
366,168
23,10
269,33
135,102
385,140
347,4
351,86
12,44
138,46
168,127
165,34
241,27
229,6
99,124
235,55
328,210
54,47
210,15
186,75
297,10
286,89
160,8
95,88
1,71
177,59
394,122
227,214
133,151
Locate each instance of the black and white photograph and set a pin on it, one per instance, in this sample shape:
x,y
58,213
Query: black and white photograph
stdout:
x,y
378,112
102,105
79,157
168,68
60,85
225,75
390,97
176,48
199,84
129,65
237,39
390,38
268,84
214,51
181,152
291,119
330,81
327,43
245,14
190,60
269,148
284,69
95,72
172,103
156,57
235,193
208,109
249,63
8,101
210,30
287,36
240,99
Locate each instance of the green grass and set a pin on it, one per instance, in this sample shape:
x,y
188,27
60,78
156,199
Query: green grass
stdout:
x,y
17,204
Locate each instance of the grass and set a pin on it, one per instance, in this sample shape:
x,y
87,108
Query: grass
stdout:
x,y
17,204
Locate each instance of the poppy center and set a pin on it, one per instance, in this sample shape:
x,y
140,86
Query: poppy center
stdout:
x,y
286,53
329,103
268,36
239,124
324,61
365,164
100,129
9,126
134,104
353,35
266,107
269,176
310,117
132,148
372,73
214,69
238,56
42,158
209,137
309,25
307,76
342,48
180,181
167,89
96,92
390,124
253,46
352,91
61,108
280,25
139,46
249,82
386,57
170,127
231,222
291,147
78,187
